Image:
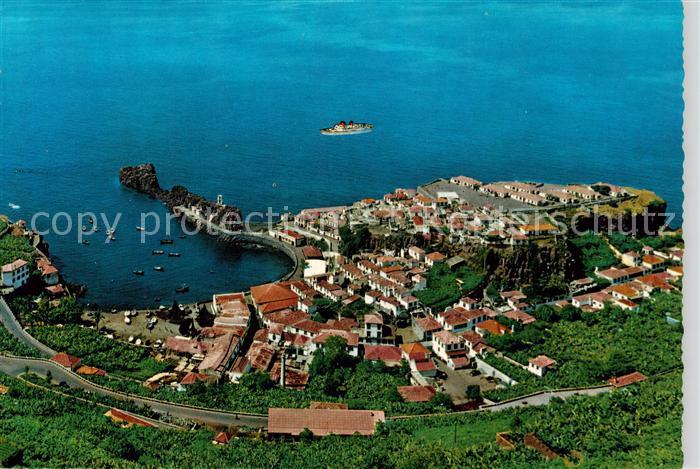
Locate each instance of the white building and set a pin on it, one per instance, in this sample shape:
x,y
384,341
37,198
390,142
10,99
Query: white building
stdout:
x,y
540,365
15,274
446,345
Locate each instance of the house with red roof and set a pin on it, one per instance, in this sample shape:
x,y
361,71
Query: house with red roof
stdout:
x,y
389,354
126,419
323,422
273,297
447,344
540,365
626,380
66,361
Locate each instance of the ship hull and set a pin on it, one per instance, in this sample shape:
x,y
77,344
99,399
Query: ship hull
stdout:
x,y
345,132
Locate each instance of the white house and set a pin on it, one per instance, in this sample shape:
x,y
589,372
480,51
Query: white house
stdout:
x,y
15,274
373,326
540,365
446,345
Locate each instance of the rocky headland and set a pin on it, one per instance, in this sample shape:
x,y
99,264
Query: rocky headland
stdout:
x,y
143,178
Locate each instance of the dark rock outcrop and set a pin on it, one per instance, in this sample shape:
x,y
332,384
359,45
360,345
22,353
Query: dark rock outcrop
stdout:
x,y
143,178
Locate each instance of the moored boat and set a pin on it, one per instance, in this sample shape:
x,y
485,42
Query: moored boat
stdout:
x,y
158,268
138,272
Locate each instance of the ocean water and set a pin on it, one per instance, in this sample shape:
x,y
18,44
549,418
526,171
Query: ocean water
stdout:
x,y
227,98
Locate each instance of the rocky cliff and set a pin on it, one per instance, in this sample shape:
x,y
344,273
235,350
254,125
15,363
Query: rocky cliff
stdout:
x,y
143,178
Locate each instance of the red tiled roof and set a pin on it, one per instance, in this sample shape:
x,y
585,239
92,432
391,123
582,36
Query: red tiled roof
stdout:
x,y
351,339
416,393
428,324
273,306
121,416
286,317
415,351
426,365
322,422
492,326
374,319
626,380
272,292
542,361
63,359
14,265
223,438
312,252
192,377
385,353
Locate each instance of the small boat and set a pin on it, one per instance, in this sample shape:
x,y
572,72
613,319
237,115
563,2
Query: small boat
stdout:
x,y
13,206
138,272
91,221
84,228
182,289
156,300
158,268
157,252
182,236
173,254
140,228
86,242
166,241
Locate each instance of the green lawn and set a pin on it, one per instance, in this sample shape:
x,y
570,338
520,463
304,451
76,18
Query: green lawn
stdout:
x,y
445,287
466,436
594,252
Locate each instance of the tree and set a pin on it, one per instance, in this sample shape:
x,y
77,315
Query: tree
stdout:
x,y
473,392
306,435
441,401
96,315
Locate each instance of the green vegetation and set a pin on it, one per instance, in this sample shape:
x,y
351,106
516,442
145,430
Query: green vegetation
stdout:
x,y
624,243
67,311
335,377
595,347
353,241
639,426
3,223
445,287
10,344
15,247
594,252
97,350
644,200
327,309
319,243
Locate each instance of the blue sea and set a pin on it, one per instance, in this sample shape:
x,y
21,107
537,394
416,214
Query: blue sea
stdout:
x,y
227,98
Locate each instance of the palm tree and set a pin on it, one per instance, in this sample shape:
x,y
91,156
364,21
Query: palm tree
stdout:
x,y
96,316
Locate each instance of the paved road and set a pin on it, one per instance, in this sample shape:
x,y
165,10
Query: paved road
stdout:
x,y
16,366
545,397
11,324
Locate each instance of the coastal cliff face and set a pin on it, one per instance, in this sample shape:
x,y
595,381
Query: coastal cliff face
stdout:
x,y
143,178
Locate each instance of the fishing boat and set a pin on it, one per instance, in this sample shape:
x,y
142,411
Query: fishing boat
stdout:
x,y
13,206
140,228
138,272
173,254
157,252
182,289
158,268
86,242
166,241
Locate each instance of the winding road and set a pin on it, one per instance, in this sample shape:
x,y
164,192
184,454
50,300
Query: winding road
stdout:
x,y
16,366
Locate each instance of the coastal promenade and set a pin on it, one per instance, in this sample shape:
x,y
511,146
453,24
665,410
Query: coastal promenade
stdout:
x,y
257,238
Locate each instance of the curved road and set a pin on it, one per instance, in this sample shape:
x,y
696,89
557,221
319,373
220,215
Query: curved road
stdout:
x,y
16,366
15,328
